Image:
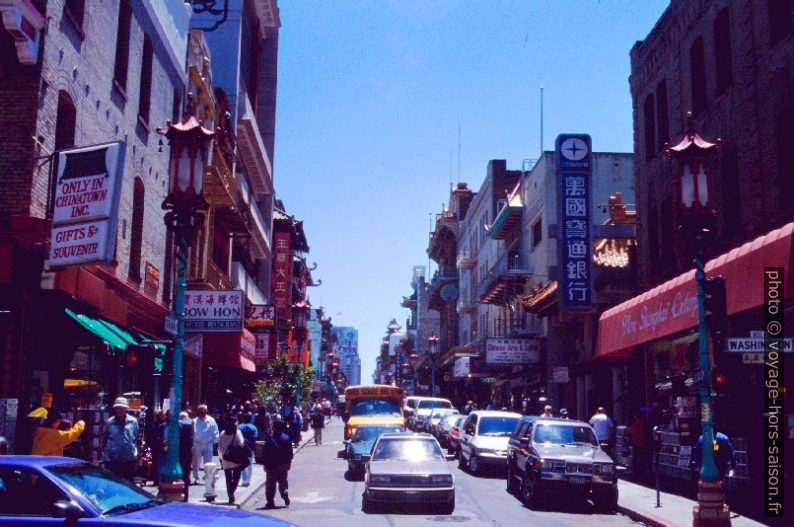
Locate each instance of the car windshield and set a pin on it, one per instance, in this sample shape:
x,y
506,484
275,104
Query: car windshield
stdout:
x,y
497,426
438,414
565,435
413,450
375,407
109,493
435,404
450,420
372,433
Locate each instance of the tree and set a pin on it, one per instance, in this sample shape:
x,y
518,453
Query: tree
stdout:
x,y
280,379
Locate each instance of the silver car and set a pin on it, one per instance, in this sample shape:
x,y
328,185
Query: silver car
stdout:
x,y
408,468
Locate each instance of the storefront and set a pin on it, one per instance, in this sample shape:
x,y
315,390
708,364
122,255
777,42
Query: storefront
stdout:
x,y
658,330
229,368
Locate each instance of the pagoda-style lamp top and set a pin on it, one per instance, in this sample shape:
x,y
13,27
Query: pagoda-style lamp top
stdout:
x,y
694,166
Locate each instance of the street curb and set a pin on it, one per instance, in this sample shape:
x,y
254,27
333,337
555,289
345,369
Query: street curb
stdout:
x,y
645,517
259,487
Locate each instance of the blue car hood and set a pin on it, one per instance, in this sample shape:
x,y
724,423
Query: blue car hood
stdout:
x,y
362,447
178,514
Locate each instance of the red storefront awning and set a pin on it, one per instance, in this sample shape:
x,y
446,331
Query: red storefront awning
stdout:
x,y
231,350
672,307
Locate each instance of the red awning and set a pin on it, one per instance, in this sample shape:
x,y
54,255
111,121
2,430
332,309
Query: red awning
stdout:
x,y
231,350
672,307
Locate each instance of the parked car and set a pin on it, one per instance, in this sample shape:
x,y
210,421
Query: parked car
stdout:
x,y
424,406
560,456
408,468
39,490
435,419
483,440
360,445
409,410
443,427
453,436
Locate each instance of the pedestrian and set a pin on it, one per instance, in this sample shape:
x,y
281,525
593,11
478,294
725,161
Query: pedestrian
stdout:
x,y
262,421
120,450
468,407
205,436
185,449
277,456
603,427
724,454
318,423
640,442
547,411
250,435
231,447
50,440
159,443
32,422
327,408
295,426
564,413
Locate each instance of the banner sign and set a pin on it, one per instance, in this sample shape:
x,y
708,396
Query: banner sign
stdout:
x,y
512,351
214,311
194,345
264,347
461,367
282,264
85,210
574,172
261,316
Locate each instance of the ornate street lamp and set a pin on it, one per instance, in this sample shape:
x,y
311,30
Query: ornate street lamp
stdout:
x,y
184,205
432,341
300,315
693,165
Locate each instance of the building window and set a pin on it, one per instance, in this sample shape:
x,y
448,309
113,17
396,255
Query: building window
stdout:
x,y
65,121
537,232
650,128
779,12
722,50
731,204
668,228
784,135
697,75
653,237
662,122
74,11
123,46
136,235
146,80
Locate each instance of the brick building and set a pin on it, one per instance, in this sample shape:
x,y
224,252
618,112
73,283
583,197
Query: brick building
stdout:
x,y
732,65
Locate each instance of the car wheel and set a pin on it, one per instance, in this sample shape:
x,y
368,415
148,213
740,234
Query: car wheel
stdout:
x,y
606,502
448,508
530,493
461,459
366,505
474,465
512,481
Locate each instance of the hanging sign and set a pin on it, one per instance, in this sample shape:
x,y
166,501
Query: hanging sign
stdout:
x,y
282,264
574,172
512,351
261,316
214,311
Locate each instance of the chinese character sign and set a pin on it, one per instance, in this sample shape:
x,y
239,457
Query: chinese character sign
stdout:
x,y
574,173
214,311
282,290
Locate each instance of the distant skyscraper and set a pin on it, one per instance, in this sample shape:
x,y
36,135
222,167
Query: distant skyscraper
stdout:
x,y
347,350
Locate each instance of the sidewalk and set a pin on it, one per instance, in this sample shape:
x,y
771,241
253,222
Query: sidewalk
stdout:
x,y
639,503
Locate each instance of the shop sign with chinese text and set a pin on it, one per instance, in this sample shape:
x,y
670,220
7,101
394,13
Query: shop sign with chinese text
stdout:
x,y
512,351
261,316
214,311
282,264
574,172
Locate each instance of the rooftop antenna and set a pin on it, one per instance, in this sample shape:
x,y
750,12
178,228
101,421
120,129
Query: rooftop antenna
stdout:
x,y
450,167
541,122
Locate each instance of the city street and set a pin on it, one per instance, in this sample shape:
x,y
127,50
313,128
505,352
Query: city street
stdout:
x,y
320,495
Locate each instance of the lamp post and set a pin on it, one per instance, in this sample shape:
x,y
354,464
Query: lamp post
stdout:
x,y
432,340
299,318
693,167
184,206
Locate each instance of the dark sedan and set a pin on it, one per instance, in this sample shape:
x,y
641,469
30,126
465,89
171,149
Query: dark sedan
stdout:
x,y
37,490
360,445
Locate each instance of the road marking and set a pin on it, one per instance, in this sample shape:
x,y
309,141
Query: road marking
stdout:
x,y
311,497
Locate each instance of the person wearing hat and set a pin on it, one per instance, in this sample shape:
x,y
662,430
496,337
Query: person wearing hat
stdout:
x,y
120,451
50,440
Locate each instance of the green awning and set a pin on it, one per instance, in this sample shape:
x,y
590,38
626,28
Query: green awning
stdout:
x,y
101,330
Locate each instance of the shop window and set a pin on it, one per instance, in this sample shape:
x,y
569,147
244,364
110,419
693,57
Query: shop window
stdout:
x,y
784,135
74,11
731,203
650,128
537,232
697,76
136,235
780,25
722,50
122,46
662,121
144,101
65,121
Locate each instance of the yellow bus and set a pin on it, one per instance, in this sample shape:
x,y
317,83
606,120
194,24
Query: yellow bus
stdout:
x,y
376,403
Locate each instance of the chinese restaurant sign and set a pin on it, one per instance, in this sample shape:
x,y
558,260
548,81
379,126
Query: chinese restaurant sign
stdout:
x,y
281,274
214,311
512,351
574,172
85,211
261,316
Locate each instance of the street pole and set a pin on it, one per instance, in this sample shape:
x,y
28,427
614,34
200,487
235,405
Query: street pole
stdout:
x,y
433,378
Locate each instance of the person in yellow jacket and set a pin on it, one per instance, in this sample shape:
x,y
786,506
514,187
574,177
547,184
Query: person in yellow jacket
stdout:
x,y
49,440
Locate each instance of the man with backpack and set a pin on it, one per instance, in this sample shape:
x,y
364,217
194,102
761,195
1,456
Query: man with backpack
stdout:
x,y
277,459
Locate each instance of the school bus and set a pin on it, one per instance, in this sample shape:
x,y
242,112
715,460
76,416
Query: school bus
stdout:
x,y
376,403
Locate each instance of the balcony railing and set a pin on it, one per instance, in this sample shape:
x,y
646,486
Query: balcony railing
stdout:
x,y
465,260
508,273
216,277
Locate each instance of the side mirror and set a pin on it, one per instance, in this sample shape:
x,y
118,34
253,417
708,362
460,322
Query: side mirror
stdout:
x,y
66,509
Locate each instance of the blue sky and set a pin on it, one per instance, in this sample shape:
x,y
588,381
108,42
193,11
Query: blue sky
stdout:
x,y
370,94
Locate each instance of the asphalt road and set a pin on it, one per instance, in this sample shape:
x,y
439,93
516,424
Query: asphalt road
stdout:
x,y
321,496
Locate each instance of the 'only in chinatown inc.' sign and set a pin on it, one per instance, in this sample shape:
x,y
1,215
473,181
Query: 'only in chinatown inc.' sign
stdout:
x,y
85,208
512,351
574,173
214,311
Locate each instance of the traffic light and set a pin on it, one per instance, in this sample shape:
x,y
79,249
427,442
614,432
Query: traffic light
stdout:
x,y
131,356
716,305
719,381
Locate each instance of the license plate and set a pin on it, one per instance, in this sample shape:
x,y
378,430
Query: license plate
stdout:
x,y
578,480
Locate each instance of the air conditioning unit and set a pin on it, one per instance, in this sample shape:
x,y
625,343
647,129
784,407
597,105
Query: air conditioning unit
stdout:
x,y
24,22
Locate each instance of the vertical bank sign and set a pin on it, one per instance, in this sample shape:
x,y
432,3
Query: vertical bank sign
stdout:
x,y
574,174
85,212
282,262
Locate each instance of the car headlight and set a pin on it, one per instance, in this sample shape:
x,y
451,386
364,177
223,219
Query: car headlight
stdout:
x,y
445,478
380,479
553,465
605,469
